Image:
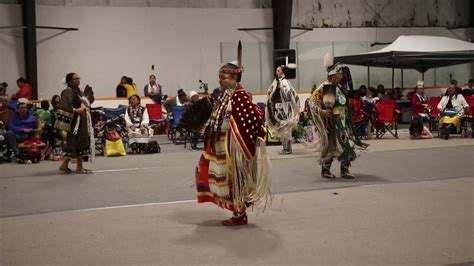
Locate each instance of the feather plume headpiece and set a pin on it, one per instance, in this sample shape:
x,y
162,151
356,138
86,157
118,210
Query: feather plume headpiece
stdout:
x,y
234,67
331,67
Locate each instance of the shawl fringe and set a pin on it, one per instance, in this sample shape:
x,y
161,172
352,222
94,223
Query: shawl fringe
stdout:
x,y
250,177
282,128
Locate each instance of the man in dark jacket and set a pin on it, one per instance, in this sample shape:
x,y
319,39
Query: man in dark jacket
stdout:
x,y
21,123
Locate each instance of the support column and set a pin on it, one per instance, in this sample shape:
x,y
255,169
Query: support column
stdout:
x,y
281,23
29,41
393,77
368,77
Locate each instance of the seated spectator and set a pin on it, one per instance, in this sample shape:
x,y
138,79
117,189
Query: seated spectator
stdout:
x,y
194,135
13,103
418,101
25,90
381,92
136,116
19,126
5,113
31,148
54,107
369,99
451,108
362,91
351,94
194,96
153,90
43,114
54,102
120,91
397,94
452,103
130,87
458,90
468,89
45,124
368,103
136,119
180,100
3,89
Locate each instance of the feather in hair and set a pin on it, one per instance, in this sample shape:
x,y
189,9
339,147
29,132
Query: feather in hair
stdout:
x,y
239,54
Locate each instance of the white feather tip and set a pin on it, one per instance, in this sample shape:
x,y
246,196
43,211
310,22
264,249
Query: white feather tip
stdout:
x,y
328,60
291,66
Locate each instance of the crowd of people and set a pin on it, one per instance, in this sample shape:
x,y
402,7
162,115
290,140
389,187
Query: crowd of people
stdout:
x,y
419,103
23,121
52,122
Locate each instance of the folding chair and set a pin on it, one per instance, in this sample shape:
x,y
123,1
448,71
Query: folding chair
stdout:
x,y
111,113
359,116
386,119
176,115
467,122
155,115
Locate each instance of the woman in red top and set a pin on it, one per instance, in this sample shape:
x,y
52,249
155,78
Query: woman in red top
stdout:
x,y
418,100
25,90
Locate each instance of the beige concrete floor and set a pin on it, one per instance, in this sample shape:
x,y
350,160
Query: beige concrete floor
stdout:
x,y
424,223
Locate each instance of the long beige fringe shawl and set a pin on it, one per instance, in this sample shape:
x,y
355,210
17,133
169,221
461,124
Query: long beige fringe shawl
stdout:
x,y
283,128
320,140
250,177
90,128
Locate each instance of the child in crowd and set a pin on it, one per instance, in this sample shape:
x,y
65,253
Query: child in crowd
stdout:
x,y
31,148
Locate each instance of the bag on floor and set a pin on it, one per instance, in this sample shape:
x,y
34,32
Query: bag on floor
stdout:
x,y
114,148
153,147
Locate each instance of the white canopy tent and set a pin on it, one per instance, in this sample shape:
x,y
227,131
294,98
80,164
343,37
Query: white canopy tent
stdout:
x,y
415,52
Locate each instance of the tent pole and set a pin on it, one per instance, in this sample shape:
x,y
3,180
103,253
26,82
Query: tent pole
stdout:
x,y
393,77
423,76
368,76
434,77
401,73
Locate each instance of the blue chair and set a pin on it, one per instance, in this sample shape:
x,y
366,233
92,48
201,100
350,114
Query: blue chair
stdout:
x,y
176,115
111,113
